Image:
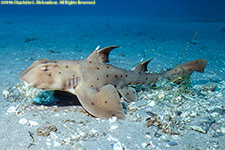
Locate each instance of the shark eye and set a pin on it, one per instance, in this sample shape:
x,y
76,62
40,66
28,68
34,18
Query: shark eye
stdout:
x,y
45,68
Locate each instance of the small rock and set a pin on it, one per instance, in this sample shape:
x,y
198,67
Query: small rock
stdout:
x,y
12,109
33,123
114,127
213,126
144,145
152,103
211,86
93,133
5,93
112,120
161,95
199,129
117,146
172,143
151,114
203,126
178,113
48,143
23,121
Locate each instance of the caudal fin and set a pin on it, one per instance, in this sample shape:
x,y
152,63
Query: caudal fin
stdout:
x,y
186,69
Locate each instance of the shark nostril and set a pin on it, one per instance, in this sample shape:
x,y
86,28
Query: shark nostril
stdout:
x,y
45,68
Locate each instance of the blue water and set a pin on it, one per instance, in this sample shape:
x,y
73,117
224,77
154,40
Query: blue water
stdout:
x,y
169,31
204,10
143,29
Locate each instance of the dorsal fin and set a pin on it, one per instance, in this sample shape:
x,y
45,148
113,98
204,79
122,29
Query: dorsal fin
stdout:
x,y
142,67
101,55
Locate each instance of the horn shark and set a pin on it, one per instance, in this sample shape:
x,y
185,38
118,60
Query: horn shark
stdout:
x,y
97,84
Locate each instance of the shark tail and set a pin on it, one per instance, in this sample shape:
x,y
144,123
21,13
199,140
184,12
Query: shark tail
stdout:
x,y
186,69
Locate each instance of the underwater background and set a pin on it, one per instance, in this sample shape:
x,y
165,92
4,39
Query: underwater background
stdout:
x,y
169,31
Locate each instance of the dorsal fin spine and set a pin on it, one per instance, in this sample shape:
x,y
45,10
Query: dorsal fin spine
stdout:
x,y
142,67
102,55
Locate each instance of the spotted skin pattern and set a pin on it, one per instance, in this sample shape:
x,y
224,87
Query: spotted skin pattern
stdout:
x,y
98,85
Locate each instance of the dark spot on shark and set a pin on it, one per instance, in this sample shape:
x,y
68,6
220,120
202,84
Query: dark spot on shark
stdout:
x,y
92,104
107,67
116,76
97,78
128,94
146,78
90,62
97,68
49,75
106,102
121,76
107,76
67,66
60,72
92,85
126,75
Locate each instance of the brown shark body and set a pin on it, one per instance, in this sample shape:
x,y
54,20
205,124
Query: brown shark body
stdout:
x,y
98,84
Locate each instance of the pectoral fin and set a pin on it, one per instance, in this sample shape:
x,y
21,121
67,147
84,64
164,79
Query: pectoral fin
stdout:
x,y
103,103
128,93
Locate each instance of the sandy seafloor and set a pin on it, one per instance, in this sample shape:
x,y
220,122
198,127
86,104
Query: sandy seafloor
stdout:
x,y
199,116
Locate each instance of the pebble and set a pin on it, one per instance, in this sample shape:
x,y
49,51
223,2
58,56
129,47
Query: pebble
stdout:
x,y
144,145
211,86
114,127
172,143
23,121
199,129
12,109
117,146
48,143
112,120
33,123
42,107
5,93
93,133
178,113
152,103
161,95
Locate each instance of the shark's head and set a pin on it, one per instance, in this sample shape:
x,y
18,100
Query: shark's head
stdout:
x,y
43,74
